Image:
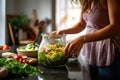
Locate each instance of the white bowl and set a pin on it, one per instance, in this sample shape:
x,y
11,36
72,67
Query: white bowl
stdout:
x,y
29,53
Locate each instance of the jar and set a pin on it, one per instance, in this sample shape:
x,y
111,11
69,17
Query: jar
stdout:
x,y
51,39
51,50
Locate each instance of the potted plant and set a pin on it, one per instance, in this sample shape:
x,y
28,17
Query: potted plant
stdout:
x,y
19,22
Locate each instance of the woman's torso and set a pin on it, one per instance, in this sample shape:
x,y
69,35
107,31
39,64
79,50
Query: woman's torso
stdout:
x,y
100,53
97,17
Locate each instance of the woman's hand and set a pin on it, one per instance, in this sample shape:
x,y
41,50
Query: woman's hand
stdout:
x,y
55,34
72,49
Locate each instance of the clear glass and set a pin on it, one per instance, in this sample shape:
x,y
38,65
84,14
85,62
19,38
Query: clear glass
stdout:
x,y
51,50
61,39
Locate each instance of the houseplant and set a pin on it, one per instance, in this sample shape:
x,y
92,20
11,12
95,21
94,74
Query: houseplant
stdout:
x,y
19,22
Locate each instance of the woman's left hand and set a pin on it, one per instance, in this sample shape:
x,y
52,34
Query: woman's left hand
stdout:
x,y
72,49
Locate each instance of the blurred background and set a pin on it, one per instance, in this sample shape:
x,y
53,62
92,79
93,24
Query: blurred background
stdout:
x,y
22,20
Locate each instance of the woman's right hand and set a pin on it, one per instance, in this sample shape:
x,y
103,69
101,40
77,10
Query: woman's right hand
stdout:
x,y
54,34
57,32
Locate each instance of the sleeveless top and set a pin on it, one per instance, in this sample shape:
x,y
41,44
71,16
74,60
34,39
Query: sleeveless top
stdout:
x,y
99,53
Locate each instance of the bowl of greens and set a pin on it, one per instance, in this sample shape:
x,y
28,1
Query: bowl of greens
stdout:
x,y
29,50
52,55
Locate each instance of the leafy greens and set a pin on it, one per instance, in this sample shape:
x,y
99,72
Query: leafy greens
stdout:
x,y
18,69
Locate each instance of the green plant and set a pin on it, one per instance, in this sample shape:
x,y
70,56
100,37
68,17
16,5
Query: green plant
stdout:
x,y
20,22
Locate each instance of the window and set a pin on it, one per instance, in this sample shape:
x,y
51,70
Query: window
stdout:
x,y
67,14
2,21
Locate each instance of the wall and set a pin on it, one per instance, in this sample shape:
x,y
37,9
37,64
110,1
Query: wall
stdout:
x,y
2,22
10,6
43,7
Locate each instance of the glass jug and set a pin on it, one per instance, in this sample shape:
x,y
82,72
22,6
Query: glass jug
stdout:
x,y
61,39
51,50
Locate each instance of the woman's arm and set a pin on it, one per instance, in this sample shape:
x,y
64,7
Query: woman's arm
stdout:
x,y
73,47
110,30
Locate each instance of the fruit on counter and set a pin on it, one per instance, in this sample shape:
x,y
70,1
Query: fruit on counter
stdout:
x,y
4,47
20,59
17,57
26,60
3,72
28,47
52,55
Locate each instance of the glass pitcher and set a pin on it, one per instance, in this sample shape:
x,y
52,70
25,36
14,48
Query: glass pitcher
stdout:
x,y
51,39
51,50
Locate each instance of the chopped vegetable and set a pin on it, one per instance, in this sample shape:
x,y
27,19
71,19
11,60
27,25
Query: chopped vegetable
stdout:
x,y
17,57
28,47
20,59
18,69
4,47
52,55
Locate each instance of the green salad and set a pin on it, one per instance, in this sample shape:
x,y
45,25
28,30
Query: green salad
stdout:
x,y
28,47
52,55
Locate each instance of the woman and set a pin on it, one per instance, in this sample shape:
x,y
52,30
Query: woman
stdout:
x,y
102,20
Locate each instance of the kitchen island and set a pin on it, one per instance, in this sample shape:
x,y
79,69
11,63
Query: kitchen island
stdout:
x,y
71,71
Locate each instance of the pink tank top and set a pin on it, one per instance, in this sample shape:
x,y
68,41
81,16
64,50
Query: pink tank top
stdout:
x,y
100,53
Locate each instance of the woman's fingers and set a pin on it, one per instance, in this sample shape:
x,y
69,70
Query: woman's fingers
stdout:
x,y
77,51
53,33
66,50
72,49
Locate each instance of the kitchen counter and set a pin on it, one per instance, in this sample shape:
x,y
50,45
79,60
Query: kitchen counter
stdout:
x,y
71,71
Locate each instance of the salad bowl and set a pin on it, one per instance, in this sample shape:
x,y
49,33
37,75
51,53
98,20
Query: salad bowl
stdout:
x,y
51,51
29,50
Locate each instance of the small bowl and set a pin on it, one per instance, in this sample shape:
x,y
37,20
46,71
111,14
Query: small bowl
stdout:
x,y
29,53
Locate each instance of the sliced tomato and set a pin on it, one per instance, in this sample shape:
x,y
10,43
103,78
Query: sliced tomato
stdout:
x,y
22,60
44,49
17,57
5,47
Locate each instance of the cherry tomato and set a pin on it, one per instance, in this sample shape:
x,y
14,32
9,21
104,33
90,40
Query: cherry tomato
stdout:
x,y
22,60
5,47
44,49
18,57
